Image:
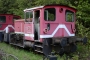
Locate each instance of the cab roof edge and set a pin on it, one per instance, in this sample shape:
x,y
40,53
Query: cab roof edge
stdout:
x,y
34,8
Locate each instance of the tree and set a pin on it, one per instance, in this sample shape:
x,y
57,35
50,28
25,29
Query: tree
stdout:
x,y
83,11
7,6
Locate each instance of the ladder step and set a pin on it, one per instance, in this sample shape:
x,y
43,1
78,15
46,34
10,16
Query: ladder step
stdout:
x,y
38,51
38,46
37,40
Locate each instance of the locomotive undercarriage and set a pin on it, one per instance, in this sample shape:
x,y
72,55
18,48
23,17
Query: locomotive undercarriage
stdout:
x,y
57,45
17,39
61,45
64,45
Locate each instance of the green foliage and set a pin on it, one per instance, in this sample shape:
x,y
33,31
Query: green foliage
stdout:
x,y
7,6
21,54
83,51
83,11
81,30
75,57
46,2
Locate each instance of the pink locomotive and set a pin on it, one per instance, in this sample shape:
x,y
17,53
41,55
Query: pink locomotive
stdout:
x,y
46,28
7,25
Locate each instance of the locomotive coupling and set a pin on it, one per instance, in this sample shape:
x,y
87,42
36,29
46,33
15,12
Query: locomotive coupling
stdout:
x,y
61,41
84,40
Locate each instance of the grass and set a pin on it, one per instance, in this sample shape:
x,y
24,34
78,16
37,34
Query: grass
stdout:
x,y
82,53
21,54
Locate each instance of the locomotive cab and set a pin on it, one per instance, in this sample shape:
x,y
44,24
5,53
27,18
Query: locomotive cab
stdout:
x,y
50,21
54,24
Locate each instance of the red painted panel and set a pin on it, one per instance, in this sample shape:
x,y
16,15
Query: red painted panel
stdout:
x,y
8,26
28,28
19,25
3,26
29,38
29,31
59,27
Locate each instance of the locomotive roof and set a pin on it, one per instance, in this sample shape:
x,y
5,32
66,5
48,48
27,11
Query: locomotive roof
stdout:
x,y
6,14
12,15
49,5
34,8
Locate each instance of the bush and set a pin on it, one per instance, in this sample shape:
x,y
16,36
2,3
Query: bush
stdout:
x,y
82,31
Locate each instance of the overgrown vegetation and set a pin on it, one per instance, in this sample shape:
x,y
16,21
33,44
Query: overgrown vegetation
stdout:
x,y
82,30
21,54
82,53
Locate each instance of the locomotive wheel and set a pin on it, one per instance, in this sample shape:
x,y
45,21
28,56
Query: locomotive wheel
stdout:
x,y
73,47
61,52
70,48
63,42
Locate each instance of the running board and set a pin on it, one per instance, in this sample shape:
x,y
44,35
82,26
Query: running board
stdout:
x,y
38,51
37,40
38,46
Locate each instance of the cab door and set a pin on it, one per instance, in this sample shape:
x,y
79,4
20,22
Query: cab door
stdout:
x,y
37,25
29,26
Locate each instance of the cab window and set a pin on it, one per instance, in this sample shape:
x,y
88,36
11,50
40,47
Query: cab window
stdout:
x,y
49,14
28,16
2,19
69,16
